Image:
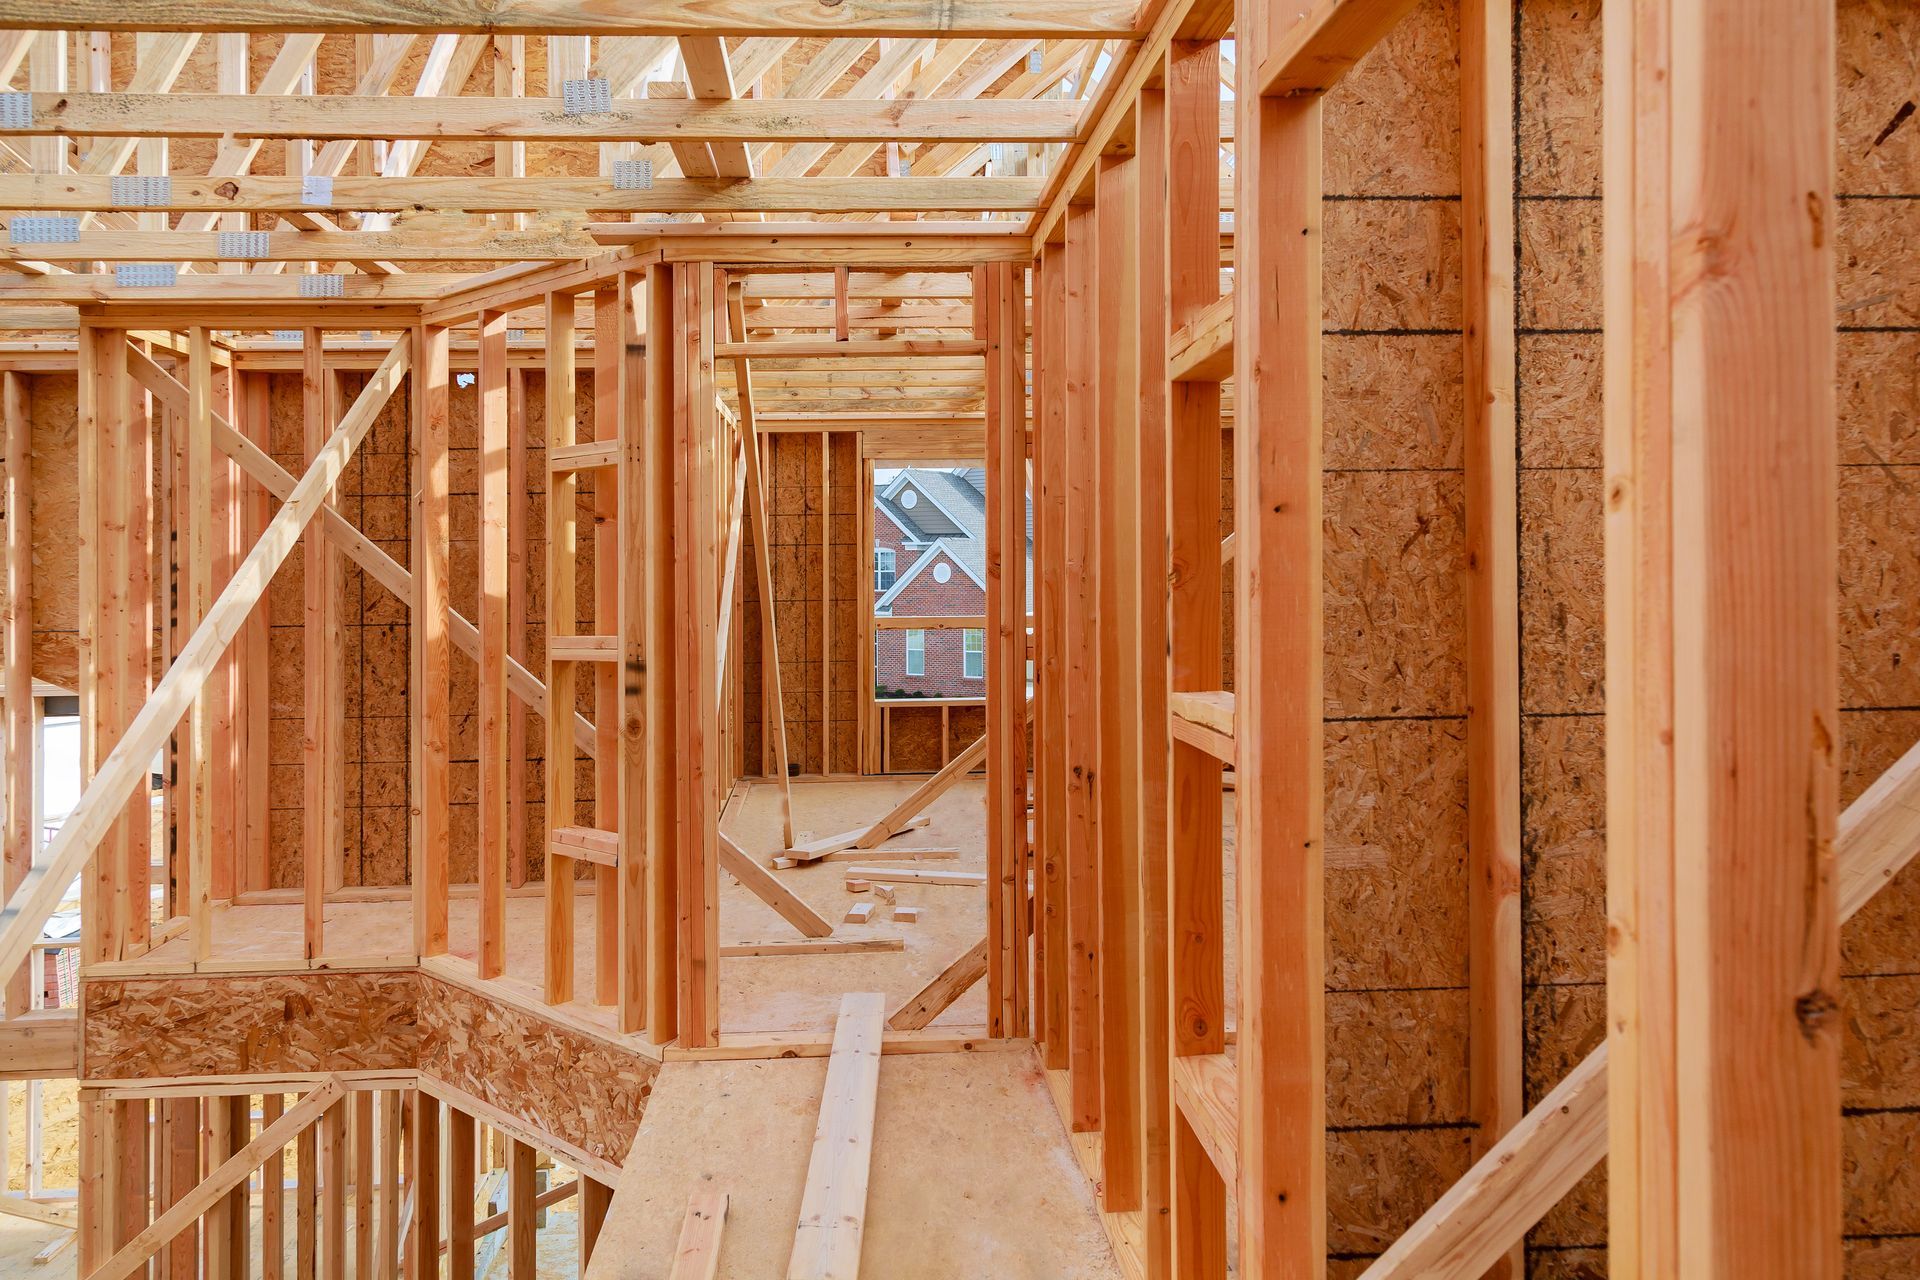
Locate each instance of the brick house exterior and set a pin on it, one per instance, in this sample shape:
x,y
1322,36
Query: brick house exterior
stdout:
x,y
934,523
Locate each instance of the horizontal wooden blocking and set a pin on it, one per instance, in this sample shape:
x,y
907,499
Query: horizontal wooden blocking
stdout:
x,y
1205,721
584,457
833,1208
586,844
583,648
1207,1091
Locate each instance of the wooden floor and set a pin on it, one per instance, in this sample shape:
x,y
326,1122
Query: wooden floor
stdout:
x,y
758,994
972,1176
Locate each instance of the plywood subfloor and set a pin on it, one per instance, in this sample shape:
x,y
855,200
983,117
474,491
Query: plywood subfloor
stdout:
x,y
779,993
972,1172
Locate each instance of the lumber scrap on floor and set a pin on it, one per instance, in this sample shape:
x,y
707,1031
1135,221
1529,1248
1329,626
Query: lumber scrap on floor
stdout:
x,y
833,1209
763,885
697,1256
952,982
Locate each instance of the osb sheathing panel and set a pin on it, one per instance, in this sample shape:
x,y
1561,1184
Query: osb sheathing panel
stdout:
x,y
913,739
583,1090
1394,537
1562,619
819,647
55,496
151,1027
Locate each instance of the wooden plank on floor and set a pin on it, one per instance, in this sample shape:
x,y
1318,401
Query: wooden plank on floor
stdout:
x,y
952,982
697,1254
833,1208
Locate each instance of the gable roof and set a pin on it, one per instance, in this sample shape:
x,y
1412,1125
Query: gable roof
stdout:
x,y
943,549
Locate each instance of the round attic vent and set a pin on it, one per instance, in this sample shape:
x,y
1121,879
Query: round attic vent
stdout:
x,y
942,572
909,499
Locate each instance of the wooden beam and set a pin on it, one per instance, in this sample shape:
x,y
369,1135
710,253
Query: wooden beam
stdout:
x,y
1105,19
22,712
649,482
1496,1036
1307,51
562,621
29,907
1194,875
1724,1023
1279,649
40,1044
1080,622
696,1255
833,1207
765,886
938,995
323,776
1000,304
491,392
428,704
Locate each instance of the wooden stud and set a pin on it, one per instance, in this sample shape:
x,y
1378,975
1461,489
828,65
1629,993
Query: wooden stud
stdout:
x,y
431,716
1122,965
652,796
696,1255
1080,627
392,1109
520,515
306,1206
364,1226
333,1186
562,620
1723,1020
607,358
273,1195
696,558
495,780
1000,294
522,1257
460,1192
596,1197
1279,651
1195,871
1496,1036
22,796
427,1191
322,743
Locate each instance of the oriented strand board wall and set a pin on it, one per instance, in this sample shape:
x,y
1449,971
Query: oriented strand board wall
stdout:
x,y
55,495
1396,793
817,603
1878,375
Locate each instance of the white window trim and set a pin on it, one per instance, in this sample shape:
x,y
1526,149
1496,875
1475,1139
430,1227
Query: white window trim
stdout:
x,y
892,569
969,655
914,633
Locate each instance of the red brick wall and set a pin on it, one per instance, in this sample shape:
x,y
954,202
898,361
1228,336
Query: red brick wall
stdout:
x,y
944,676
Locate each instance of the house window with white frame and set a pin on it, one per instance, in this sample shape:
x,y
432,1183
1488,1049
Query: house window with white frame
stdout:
x,y
916,653
974,654
883,568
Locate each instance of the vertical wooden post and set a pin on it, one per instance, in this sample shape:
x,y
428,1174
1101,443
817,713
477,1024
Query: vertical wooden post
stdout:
x,y
520,514
460,1179
363,1151
1279,651
23,809
1122,1033
179,1161
333,1174
200,748
608,356
1496,1036
136,668
697,585
273,1197
595,1198
1196,903
648,489
1050,1024
321,714
306,1204
239,1241
426,1185
1000,310
1722,740
562,620
132,1163
432,652
1080,624
392,1110
490,384
522,1254
251,649
91,1242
